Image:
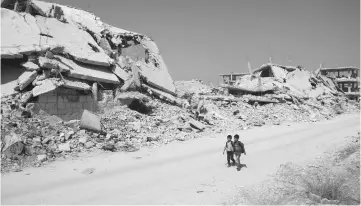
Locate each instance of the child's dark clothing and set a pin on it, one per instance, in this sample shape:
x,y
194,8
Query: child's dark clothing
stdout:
x,y
230,157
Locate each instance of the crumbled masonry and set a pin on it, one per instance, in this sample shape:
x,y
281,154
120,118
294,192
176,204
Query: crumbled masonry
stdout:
x,y
74,84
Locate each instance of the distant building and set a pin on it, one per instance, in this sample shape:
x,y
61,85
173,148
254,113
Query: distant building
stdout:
x,y
347,79
231,78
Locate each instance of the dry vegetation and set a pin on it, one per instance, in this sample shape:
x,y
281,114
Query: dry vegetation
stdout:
x,y
333,180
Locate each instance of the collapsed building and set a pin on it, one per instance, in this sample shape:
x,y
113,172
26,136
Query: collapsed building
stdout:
x,y
276,83
58,59
346,78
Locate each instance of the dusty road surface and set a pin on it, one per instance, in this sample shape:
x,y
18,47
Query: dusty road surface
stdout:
x,y
190,172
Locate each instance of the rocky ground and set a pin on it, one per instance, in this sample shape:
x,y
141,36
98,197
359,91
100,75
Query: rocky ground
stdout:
x,y
332,178
36,139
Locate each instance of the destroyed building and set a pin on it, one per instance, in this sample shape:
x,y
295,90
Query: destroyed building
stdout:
x,y
231,78
277,82
59,59
347,78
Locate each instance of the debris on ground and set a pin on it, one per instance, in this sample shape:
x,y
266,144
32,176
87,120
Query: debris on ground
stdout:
x,y
108,89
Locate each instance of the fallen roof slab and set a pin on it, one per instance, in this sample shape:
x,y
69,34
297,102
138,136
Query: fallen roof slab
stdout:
x,y
75,84
157,77
26,78
45,86
78,43
31,66
89,72
21,35
246,90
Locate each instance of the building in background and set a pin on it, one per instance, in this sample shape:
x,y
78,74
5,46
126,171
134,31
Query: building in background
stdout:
x,y
347,79
230,78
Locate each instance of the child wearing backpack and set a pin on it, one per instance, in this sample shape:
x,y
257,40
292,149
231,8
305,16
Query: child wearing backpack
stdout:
x,y
238,150
230,149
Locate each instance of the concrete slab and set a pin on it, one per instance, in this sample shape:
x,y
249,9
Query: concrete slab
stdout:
x,y
26,78
89,72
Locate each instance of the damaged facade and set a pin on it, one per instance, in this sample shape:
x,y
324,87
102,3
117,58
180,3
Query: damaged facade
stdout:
x,y
61,58
277,83
347,78
231,78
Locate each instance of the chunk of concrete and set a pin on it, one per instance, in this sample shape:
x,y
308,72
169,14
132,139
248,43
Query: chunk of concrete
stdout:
x,y
77,42
89,144
197,125
117,70
45,86
90,121
26,78
150,45
75,84
89,72
64,147
30,66
21,35
9,88
157,77
162,95
53,64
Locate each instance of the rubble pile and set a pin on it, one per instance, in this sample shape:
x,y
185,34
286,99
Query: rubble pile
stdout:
x,y
121,85
59,46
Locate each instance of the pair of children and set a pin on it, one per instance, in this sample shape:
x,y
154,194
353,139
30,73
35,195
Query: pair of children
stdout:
x,y
234,148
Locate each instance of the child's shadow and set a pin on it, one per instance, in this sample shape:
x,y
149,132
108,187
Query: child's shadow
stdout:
x,y
243,165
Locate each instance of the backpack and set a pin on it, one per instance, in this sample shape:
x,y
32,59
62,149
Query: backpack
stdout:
x,y
239,146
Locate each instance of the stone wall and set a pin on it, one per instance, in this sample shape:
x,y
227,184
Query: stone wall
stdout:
x,y
66,103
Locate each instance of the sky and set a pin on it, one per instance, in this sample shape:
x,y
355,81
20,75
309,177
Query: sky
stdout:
x,y
200,39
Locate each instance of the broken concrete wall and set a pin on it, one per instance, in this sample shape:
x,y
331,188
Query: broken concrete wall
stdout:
x,y
67,47
65,103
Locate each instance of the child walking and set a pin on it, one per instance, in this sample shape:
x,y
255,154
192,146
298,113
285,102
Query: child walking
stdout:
x,y
230,149
238,150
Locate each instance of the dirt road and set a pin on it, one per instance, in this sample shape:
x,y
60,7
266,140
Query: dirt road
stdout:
x,y
190,172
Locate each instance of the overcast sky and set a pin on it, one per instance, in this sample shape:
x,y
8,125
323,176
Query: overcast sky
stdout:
x,y
203,38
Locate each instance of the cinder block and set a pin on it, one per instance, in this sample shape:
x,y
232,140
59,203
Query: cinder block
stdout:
x,y
61,105
42,98
88,106
82,98
73,98
50,105
79,105
52,98
65,98
73,105
53,110
89,98
62,111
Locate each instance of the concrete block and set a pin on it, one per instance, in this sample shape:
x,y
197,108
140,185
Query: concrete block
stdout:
x,y
82,98
73,105
89,106
42,98
52,98
79,105
90,121
67,105
62,111
61,105
44,87
90,98
73,98
50,105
